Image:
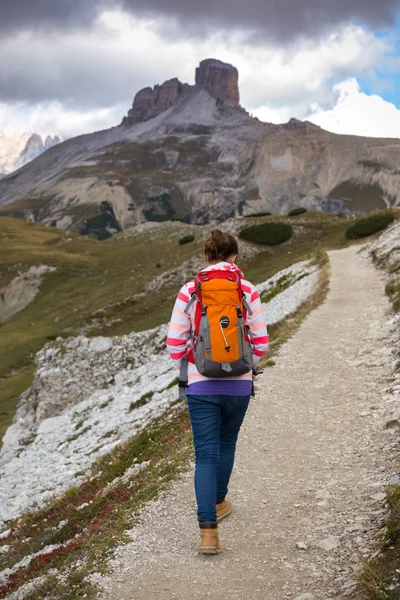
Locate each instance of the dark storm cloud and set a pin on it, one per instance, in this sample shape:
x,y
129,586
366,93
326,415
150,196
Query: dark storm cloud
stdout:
x,y
282,19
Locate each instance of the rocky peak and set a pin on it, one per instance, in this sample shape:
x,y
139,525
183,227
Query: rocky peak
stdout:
x,y
219,79
51,141
35,147
150,102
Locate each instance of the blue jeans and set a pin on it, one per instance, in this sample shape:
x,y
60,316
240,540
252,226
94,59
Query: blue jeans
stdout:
x,y
216,422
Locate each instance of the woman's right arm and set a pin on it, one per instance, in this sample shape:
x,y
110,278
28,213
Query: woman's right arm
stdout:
x,y
179,327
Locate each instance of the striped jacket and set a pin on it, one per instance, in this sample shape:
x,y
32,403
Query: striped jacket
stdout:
x,y
180,325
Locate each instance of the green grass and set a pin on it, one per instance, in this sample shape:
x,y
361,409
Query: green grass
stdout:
x,y
317,232
392,290
10,390
142,401
282,284
381,574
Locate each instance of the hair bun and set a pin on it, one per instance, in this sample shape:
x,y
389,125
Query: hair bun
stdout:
x,y
220,246
219,237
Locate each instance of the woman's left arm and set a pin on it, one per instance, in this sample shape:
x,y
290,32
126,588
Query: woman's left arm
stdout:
x,y
258,328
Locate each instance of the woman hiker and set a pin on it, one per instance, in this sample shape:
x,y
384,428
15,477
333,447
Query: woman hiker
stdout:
x,y
217,336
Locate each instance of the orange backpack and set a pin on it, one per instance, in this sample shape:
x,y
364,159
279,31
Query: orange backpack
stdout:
x,y
220,344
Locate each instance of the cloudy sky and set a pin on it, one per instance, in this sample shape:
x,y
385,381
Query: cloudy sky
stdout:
x,y
71,67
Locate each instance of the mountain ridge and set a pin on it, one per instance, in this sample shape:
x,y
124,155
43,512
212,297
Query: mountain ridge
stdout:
x,y
18,149
203,158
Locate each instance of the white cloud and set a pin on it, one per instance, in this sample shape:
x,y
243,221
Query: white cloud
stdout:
x,y
53,118
359,114
299,76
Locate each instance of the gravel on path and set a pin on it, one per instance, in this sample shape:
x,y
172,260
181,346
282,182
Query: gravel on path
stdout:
x,y
313,459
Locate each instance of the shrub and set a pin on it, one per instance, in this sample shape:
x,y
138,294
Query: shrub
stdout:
x,y
268,234
368,226
186,239
260,214
297,211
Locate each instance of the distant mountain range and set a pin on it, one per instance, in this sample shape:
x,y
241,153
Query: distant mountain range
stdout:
x,y
18,149
191,152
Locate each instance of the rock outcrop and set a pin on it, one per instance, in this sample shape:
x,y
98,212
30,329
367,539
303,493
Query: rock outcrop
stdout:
x,y
219,79
150,102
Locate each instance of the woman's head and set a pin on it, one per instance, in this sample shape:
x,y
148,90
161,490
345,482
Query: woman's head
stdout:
x,y
220,246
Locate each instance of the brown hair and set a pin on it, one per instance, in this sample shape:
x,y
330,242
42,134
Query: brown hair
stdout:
x,y
220,246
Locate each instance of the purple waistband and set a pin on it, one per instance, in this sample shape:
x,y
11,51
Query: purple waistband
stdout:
x,y
216,387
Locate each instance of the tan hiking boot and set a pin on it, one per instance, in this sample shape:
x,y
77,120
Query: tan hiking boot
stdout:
x,y
223,510
209,543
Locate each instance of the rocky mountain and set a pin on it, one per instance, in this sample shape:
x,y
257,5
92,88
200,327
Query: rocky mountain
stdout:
x,y
219,79
18,149
193,153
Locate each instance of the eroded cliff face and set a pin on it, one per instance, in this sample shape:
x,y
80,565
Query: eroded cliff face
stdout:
x,y
219,79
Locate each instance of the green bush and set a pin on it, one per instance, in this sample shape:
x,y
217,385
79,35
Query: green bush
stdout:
x,y
297,211
368,226
186,239
261,214
268,234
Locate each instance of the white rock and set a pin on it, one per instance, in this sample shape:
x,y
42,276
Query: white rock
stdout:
x,y
330,543
100,344
305,597
379,497
301,546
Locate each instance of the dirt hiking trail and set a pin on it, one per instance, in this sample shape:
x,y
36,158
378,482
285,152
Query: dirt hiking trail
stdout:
x,y
312,462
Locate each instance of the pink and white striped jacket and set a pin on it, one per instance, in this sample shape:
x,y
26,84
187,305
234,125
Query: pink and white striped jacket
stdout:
x,y
180,325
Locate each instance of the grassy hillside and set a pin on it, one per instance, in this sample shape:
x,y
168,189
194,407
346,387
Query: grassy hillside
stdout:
x,y
96,287
90,277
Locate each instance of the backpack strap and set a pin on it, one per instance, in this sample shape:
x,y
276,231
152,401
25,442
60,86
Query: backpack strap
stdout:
x,y
183,378
190,303
194,296
246,304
